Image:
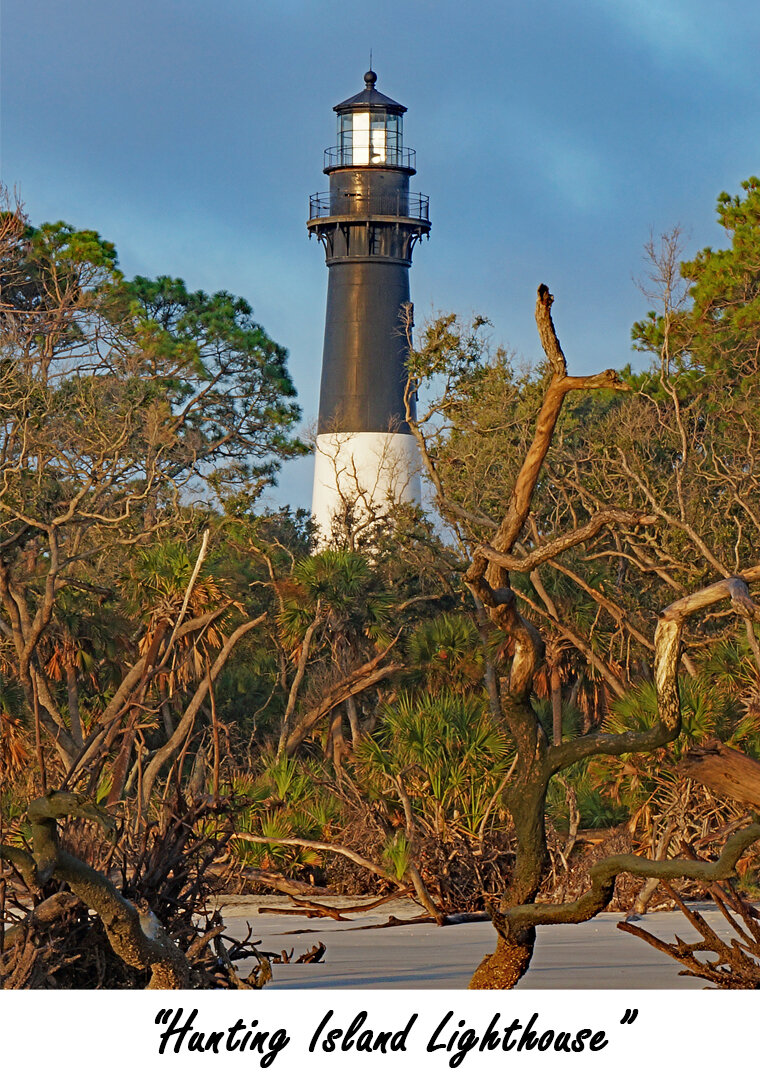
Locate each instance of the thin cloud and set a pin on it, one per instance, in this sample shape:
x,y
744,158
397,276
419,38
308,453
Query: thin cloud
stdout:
x,y
683,31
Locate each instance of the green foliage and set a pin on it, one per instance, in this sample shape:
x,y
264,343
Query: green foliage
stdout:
x,y
447,653
89,639
346,590
724,323
449,349
719,333
397,854
247,412
718,703
710,707
447,750
57,247
572,718
158,577
595,809
281,799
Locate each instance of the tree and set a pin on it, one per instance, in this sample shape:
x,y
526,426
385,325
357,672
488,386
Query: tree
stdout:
x,y
118,399
128,412
542,526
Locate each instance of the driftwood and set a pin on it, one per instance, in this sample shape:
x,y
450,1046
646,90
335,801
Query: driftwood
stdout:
x,y
304,912
455,919
311,909
313,956
319,845
737,966
272,879
725,771
423,895
30,955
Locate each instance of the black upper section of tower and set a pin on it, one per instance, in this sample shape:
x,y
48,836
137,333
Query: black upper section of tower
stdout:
x,y
368,223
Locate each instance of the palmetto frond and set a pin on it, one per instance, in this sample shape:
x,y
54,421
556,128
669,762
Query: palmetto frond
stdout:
x,y
351,597
450,753
448,652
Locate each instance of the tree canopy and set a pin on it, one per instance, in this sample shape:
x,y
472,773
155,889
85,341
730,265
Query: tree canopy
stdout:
x,y
121,404
445,710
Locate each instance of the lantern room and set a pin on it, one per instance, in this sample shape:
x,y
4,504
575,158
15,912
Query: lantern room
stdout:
x,y
370,132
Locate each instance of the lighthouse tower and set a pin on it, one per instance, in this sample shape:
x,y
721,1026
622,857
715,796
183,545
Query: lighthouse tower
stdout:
x,y
368,223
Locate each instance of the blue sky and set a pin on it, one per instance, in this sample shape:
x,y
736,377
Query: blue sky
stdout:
x,y
551,138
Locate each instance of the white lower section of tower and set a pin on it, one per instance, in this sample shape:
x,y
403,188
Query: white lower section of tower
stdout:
x,y
358,475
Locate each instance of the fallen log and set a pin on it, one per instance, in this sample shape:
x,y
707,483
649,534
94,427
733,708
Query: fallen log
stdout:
x,y
313,910
306,912
290,886
455,919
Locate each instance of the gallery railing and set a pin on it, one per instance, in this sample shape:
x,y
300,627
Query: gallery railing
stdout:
x,y
344,204
400,157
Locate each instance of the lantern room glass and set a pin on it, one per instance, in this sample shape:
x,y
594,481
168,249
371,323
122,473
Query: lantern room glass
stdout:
x,y
373,137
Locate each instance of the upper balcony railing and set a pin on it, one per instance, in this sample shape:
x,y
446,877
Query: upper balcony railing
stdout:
x,y
410,204
390,156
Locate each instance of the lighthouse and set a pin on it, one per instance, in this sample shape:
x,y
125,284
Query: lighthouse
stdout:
x,y
368,223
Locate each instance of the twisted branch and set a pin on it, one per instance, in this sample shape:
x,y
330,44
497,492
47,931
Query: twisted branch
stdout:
x,y
135,934
604,874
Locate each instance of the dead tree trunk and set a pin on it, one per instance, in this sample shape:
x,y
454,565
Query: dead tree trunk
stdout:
x,y
517,919
725,771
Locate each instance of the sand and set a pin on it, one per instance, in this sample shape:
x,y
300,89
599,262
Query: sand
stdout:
x,y
590,956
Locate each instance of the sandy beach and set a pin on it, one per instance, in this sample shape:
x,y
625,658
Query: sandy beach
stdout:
x,y
424,956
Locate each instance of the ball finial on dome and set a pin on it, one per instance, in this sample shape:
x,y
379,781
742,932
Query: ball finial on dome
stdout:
x,y
370,79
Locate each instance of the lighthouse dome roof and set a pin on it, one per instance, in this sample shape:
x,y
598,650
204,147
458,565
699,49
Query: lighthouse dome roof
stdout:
x,y
370,98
